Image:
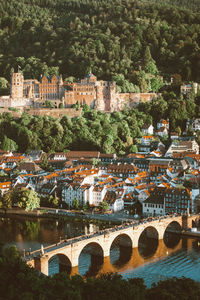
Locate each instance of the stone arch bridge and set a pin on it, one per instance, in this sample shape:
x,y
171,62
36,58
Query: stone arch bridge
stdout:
x,y
101,241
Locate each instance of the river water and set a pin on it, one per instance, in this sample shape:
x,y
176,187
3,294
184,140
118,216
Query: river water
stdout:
x,y
153,260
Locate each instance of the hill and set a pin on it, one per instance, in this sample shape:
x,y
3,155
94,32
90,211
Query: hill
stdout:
x,y
110,37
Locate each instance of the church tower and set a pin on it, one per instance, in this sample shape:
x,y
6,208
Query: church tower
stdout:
x,y
17,83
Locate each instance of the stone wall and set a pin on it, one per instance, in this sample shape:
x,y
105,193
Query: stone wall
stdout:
x,y
55,113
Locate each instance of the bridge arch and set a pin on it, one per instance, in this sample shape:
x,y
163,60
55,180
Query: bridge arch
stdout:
x,y
172,240
120,249
148,241
172,226
90,258
59,262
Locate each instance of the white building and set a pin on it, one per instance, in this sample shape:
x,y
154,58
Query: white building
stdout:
x,y
163,123
74,190
147,129
183,146
153,206
114,198
98,195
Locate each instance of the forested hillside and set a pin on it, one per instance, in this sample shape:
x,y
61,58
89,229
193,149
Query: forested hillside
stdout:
x,y
117,132
109,37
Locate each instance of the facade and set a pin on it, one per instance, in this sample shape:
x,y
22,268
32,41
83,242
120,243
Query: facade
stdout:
x,y
83,193
164,201
114,198
162,131
122,170
147,129
5,187
183,146
163,123
153,206
98,195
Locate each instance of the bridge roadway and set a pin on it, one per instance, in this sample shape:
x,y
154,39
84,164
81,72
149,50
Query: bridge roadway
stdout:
x,y
127,234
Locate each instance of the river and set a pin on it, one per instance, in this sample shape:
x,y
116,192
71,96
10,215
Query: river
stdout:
x,y
153,260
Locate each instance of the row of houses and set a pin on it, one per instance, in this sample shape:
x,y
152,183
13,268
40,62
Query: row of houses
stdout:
x,y
145,183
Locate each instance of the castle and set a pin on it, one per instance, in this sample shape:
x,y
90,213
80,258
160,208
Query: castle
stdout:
x,y
98,94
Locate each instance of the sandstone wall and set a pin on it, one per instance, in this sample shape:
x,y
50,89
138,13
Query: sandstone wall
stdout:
x,y
55,113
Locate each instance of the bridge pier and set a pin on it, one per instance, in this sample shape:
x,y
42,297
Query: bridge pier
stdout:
x,y
106,252
74,271
41,264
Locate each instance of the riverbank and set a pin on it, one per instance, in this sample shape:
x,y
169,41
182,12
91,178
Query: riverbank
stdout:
x,y
191,233
45,212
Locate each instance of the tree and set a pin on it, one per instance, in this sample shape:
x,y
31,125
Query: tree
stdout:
x,y
49,104
149,63
53,201
8,144
44,164
103,206
28,199
124,85
96,162
75,203
3,83
158,109
6,201
76,106
174,288
133,149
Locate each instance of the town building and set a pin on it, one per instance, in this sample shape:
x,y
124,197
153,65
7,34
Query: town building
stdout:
x,y
164,201
147,129
195,124
114,198
183,146
189,88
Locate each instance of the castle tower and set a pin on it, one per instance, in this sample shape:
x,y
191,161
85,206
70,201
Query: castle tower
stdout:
x,y
113,100
17,82
99,103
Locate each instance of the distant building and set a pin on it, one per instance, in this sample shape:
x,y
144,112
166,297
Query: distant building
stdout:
x,y
115,199
195,124
147,129
183,146
188,88
164,201
163,123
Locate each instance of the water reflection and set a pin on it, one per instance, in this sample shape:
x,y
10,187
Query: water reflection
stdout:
x,y
28,233
148,242
90,259
59,263
171,240
120,256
